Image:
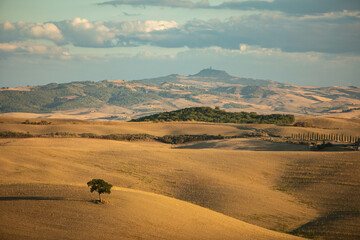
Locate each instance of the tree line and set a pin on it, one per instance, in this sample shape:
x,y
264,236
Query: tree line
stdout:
x,y
207,114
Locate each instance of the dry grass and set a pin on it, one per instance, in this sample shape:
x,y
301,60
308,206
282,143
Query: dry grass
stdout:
x,y
231,182
271,185
38,211
107,127
332,185
322,126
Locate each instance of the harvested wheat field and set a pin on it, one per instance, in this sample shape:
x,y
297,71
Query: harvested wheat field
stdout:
x,y
219,189
66,212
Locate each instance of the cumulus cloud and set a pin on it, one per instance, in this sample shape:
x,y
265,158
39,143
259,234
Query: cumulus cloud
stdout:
x,y
289,34
141,26
329,33
81,32
46,31
22,30
159,3
30,48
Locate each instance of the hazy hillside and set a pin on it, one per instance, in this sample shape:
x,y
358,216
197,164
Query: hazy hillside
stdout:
x,y
123,100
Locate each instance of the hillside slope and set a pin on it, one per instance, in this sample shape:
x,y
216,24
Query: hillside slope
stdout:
x,y
34,211
124,100
278,186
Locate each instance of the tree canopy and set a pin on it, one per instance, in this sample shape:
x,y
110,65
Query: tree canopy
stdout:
x,y
100,186
207,114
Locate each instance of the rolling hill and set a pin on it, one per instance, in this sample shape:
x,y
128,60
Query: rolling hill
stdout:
x,y
124,100
66,212
277,186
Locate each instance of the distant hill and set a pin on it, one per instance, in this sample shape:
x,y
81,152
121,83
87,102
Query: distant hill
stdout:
x,y
207,114
211,76
124,100
209,72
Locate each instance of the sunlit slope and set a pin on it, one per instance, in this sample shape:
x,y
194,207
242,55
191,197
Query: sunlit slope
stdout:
x,y
37,211
107,127
241,184
274,185
321,125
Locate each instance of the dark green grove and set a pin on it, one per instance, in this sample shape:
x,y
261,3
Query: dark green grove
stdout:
x,y
207,114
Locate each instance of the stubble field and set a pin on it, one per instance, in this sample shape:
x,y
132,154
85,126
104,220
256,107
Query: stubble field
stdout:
x,y
219,189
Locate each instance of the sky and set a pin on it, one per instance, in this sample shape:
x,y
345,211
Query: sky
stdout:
x,y
302,42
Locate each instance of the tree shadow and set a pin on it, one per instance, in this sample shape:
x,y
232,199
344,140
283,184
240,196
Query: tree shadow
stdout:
x,y
98,201
37,198
30,198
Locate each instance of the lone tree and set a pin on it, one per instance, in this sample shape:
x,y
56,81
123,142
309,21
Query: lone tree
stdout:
x,y
99,186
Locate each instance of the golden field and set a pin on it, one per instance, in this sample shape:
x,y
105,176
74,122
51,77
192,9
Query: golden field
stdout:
x,y
221,189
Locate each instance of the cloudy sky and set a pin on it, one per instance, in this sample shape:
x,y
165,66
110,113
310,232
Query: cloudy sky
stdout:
x,y
304,42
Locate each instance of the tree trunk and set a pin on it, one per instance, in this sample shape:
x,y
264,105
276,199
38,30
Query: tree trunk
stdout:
x,y
100,197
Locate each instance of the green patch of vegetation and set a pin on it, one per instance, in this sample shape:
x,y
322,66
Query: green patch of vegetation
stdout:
x,y
207,114
179,139
304,124
9,134
281,188
127,97
100,186
42,122
60,134
119,137
256,92
235,105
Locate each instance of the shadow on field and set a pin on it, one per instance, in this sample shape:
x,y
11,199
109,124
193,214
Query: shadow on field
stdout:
x,y
30,198
334,225
244,144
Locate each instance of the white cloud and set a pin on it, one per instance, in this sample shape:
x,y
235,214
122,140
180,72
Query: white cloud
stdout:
x,y
328,33
33,49
82,32
46,31
124,28
8,25
21,31
243,47
81,23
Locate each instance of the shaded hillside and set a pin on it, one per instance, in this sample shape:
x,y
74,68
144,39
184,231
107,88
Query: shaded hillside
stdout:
x,y
207,114
124,100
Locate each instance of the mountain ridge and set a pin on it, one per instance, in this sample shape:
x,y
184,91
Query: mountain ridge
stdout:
x,y
124,100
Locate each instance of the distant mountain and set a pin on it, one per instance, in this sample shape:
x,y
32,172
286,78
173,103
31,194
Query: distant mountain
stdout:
x,y
209,72
124,100
209,75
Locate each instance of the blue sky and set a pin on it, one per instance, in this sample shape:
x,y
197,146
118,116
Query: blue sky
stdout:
x,y
304,42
